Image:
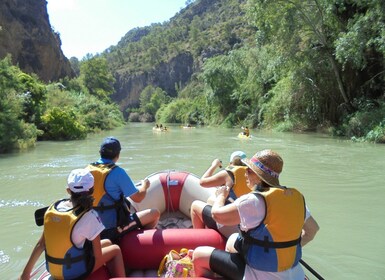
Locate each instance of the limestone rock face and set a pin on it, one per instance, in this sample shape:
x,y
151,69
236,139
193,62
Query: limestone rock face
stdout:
x,y
128,86
26,34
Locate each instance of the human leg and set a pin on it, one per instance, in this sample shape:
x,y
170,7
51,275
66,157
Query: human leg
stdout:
x,y
114,260
209,261
201,215
148,218
111,255
230,243
196,214
229,265
201,260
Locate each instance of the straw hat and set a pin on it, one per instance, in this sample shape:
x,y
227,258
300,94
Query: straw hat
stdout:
x,y
267,165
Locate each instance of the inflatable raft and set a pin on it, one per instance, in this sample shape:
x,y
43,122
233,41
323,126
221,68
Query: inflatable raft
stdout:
x,y
172,192
243,136
160,129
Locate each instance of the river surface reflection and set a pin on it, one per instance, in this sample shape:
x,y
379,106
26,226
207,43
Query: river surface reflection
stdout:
x,y
343,184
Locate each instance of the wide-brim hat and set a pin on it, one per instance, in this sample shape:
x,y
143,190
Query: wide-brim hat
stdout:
x,y
267,164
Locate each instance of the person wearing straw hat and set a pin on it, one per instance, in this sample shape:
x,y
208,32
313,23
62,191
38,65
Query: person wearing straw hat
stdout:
x,y
71,236
234,176
274,223
112,187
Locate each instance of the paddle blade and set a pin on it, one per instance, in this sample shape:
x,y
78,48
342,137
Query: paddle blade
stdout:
x,y
39,216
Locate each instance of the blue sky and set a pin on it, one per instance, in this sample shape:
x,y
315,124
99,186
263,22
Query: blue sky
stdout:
x,y
91,26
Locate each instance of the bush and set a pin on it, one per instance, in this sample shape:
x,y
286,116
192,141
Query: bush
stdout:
x,y
366,124
59,124
182,111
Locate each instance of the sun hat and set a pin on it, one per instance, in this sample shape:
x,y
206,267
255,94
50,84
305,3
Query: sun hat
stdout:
x,y
80,180
267,164
110,147
239,154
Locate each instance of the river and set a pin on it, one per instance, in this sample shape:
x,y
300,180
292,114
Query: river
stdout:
x,y
343,183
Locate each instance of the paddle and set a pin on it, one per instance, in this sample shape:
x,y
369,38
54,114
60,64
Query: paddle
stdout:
x,y
315,273
39,216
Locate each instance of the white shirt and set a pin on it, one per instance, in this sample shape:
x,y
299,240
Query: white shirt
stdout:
x,y
251,209
88,227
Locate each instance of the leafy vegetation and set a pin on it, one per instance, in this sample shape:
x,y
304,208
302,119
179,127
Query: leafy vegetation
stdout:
x,y
276,64
288,65
31,110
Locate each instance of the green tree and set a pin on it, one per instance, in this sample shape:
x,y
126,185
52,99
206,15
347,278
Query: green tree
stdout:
x,y
219,76
348,35
96,77
14,131
62,124
34,95
151,99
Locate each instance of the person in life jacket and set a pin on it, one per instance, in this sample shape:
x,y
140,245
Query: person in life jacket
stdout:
x,y
246,131
274,225
112,188
71,235
234,177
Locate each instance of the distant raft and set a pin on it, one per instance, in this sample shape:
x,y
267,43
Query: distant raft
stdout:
x,y
243,136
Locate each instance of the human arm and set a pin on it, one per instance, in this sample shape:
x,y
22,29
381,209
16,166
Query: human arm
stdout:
x,y
97,250
36,252
224,214
142,190
209,179
309,230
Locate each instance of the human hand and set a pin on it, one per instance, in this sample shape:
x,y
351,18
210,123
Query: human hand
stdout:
x,y
222,190
217,163
145,184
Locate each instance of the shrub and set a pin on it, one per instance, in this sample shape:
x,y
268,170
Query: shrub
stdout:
x,y
60,124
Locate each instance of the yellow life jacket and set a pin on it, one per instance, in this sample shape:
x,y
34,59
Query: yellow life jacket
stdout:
x,y
64,259
104,203
100,172
240,185
274,245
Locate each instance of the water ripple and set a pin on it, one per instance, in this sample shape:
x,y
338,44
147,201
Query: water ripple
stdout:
x,y
16,203
4,258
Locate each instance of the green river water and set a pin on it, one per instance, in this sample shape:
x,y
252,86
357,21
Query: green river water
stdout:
x,y
343,183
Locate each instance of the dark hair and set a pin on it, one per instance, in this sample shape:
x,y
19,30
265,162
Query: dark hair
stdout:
x,y
109,155
263,186
83,199
237,161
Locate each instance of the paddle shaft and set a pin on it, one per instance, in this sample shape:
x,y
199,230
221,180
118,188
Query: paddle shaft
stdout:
x,y
308,267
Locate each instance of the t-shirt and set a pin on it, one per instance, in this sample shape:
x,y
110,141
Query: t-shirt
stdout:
x,y
251,209
88,227
117,183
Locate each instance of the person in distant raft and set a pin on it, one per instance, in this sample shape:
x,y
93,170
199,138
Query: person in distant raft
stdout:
x,y
112,187
246,131
234,176
274,222
71,239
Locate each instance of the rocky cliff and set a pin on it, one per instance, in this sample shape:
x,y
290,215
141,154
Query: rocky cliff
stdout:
x,y
128,86
219,25
26,34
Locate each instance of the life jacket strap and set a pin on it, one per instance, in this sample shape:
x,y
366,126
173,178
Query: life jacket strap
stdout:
x,y
269,244
67,261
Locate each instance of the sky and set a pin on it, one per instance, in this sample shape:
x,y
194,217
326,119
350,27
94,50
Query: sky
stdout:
x,y
91,26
